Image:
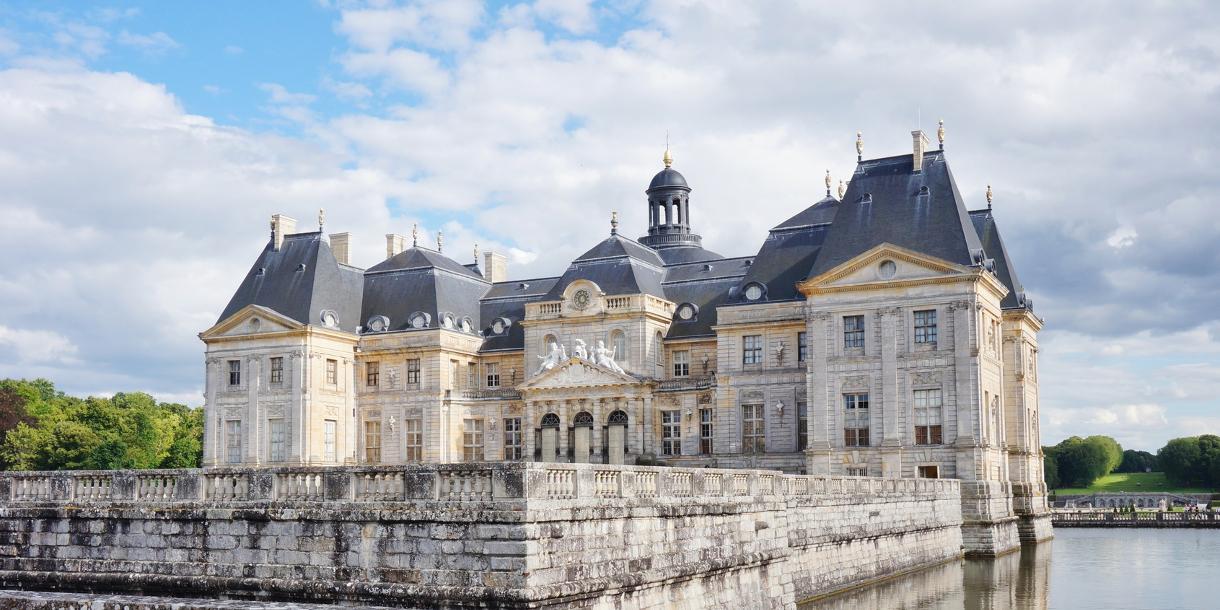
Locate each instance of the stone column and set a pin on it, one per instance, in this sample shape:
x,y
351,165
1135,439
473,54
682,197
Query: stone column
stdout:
x,y
891,401
529,421
646,416
251,449
211,414
565,422
966,396
298,450
599,420
821,416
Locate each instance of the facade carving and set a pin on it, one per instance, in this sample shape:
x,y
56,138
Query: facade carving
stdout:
x,y
837,349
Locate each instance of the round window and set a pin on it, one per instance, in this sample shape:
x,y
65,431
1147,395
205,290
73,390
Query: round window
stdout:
x,y
447,321
497,327
753,292
887,269
686,312
419,320
466,327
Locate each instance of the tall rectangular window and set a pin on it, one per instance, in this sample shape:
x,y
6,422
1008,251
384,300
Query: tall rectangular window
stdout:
x,y
492,369
454,365
372,374
512,438
671,432
706,428
681,363
753,429
802,346
372,442
472,440
928,417
751,349
853,331
472,375
332,372
413,371
277,370
276,441
414,441
233,442
855,419
925,326
235,372
802,426
330,440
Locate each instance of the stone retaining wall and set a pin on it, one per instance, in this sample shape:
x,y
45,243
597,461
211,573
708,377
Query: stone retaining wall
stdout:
x,y
511,535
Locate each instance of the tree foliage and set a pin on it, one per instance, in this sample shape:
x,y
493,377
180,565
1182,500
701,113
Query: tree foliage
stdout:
x,y
1078,462
53,431
1193,460
1137,461
1050,470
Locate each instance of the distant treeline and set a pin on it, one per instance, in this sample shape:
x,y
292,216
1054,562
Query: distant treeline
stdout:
x,y
1079,462
42,428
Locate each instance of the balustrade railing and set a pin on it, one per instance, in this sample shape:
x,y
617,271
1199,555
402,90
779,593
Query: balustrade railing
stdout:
x,y
491,394
686,383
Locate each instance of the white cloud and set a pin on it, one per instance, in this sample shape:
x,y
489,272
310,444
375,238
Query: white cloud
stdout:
x,y
575,16
279,95
157,42
1122,237
35,347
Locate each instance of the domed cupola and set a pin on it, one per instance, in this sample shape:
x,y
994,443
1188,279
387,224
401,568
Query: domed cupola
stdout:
x,y
669,210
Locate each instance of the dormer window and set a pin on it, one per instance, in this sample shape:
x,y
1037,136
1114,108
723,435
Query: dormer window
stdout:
x,y
419,319
377,324
754,291
329,319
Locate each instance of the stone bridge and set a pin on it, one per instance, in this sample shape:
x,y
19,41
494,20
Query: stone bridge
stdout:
x,y
507,535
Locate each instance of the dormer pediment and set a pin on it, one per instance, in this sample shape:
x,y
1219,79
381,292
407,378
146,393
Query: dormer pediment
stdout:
x,y
577,373
885,264
251,320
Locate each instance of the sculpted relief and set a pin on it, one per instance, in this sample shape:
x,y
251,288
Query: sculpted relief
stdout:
x,y
558,354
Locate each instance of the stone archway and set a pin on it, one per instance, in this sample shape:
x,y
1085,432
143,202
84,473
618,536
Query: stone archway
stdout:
x,y
550,437
616,437
582,436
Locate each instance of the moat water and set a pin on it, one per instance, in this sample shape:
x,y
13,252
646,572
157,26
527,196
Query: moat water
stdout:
x,y
1081,569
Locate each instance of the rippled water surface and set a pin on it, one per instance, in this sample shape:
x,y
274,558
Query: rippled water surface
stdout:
x,y
1082,569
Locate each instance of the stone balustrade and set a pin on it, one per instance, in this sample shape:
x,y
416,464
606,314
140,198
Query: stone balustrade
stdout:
x,y
1109,518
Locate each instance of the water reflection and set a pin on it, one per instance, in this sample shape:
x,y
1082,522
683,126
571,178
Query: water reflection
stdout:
x,y
1017,581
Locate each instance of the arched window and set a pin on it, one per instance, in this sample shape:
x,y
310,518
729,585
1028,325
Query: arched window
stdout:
x,y
550,420
546,343
618,345
617,418
583,420
658,353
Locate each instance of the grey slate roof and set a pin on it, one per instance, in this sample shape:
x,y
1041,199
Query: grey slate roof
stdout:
x,y
989,235
789,252
706,285
507,300
935,223
618,266
418,279
300,281
668,178
677,255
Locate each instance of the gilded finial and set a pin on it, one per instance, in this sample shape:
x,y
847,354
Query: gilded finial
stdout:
x,y
440,240
321,218
988,196
614,223
859,146
827,183
940,133
415,235
668,159
842,189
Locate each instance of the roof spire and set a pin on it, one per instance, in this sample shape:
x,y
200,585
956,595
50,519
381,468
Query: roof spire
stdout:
x,y
614,223
842,189
988,196
859,146
440,240
414,234
940,133
321,219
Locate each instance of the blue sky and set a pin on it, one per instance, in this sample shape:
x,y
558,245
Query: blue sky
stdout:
x,y
144,145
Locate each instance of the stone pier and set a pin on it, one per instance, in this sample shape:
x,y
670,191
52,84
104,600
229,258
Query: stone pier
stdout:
x,y
508,535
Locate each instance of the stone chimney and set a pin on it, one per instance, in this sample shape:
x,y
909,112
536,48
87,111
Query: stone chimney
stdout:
x,y
920,144
281,225
339,245
496,267
394,244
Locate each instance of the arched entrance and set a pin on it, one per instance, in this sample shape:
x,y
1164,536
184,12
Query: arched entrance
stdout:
x,y
616,437
582,436
550,438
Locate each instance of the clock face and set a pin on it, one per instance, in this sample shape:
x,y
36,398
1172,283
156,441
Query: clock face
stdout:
x,y
581,299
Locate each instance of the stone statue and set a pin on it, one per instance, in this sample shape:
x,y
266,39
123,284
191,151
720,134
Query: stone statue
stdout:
x,y
580,351
605,357
554,357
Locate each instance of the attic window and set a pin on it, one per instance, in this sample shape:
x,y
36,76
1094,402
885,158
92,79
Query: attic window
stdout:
x,y
866,198
301,267
707,267
329,318
754,291
261,271
522,286
748,262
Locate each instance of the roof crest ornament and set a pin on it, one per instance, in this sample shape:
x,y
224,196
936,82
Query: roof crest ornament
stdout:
x,y
827,183
321,219
842,189
476,254
940,133
414,234
988,196
440,240
859,146
614,223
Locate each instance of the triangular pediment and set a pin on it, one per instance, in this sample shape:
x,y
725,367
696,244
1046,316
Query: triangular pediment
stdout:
x,y
251,320
884,264
576,373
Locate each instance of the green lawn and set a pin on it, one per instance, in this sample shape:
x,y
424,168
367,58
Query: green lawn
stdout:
x,y
1140,481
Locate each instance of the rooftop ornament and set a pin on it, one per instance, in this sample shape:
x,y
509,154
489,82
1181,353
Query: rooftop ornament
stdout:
x,y
859,146
988,196
827,183
321,219
940,133
842,189
614,222
414,235
440,241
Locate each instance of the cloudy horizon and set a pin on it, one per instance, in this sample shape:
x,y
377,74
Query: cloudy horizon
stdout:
x,y
144,146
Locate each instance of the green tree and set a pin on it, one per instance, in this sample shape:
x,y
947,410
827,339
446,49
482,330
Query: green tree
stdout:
x,y
1179,460
1082,461
1137,461
1113,452
1050,470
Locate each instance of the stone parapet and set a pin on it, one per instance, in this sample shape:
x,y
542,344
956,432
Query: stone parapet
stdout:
x,y
471,535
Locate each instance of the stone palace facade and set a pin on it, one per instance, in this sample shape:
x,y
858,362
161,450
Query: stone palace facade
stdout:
x,y
881,332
